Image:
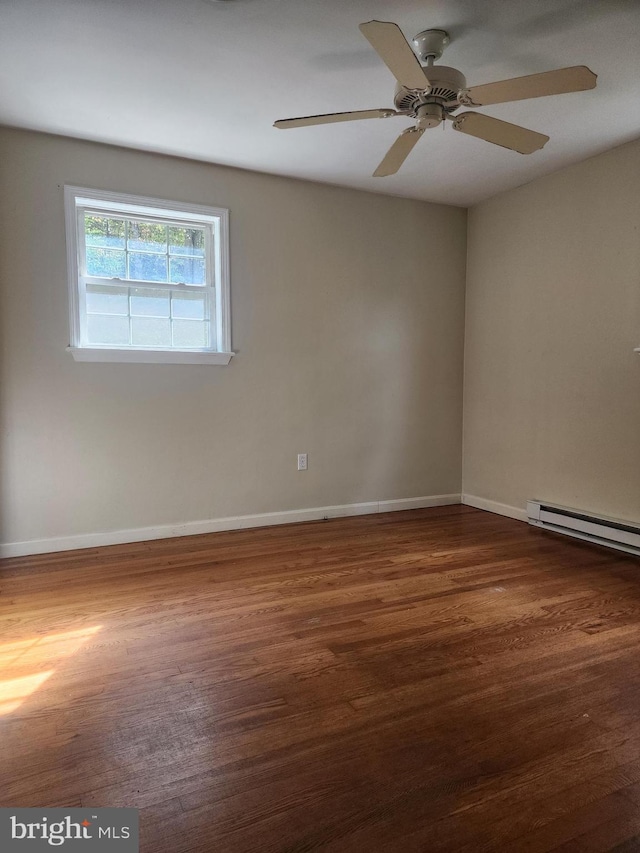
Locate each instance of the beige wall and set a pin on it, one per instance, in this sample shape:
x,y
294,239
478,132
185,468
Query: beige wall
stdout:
x,y
552,386
347,320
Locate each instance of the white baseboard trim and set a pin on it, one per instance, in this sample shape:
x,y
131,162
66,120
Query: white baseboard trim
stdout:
x,y
214,525
417,503
494,506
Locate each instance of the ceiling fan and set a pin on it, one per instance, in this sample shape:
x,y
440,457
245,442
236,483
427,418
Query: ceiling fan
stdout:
x,y
431,94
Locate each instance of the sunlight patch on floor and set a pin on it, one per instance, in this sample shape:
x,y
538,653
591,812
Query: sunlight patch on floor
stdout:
x,y
39,656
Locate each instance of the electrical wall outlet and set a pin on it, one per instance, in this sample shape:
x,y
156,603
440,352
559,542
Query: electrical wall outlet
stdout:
x,y
302,461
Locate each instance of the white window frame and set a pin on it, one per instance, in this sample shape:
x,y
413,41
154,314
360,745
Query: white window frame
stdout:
x,y
77,200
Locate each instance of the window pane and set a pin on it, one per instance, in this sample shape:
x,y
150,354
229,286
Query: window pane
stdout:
x,y
187,306
190,333
149,332
103,231
103,329
186,241
187,270
107,300
147,237
108,263
149,302
148,267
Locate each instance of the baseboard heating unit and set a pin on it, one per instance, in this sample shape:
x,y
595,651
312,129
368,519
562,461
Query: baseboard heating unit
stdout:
x,y
612,532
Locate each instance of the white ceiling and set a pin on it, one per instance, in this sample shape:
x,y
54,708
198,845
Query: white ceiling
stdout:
x,y
205,79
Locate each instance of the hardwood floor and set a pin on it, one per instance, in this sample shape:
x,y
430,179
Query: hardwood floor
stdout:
x,y
434,680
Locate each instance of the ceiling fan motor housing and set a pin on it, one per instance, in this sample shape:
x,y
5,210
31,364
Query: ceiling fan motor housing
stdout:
x,y
445,84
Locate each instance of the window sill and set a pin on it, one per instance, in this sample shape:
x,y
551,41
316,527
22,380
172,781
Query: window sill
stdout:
x,y
149,356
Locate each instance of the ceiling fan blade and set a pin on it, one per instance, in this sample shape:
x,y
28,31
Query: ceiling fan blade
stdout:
x,y
500,132
394,50
399,151
329,118
574,79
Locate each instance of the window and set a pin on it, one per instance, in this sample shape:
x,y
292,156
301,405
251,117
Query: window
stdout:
x,y
148,279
